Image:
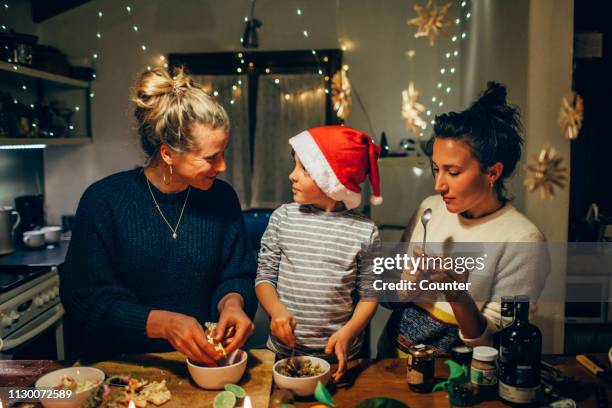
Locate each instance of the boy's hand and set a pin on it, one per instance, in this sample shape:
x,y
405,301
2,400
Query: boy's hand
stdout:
x,y
339,343
282,324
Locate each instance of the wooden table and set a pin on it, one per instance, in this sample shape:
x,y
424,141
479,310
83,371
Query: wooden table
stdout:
x,y
365,378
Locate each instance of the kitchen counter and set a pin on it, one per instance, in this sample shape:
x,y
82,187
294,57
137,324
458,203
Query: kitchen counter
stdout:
x,y
365,378
51,256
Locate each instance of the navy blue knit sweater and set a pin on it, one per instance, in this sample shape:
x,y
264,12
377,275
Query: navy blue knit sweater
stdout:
x,y
123,262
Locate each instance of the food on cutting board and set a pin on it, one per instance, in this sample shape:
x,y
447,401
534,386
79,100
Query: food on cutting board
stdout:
x,y
232,395
142,392
225,399
298,367
69,383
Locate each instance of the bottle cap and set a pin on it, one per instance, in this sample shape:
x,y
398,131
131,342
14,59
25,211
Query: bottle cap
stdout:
x,y
484,353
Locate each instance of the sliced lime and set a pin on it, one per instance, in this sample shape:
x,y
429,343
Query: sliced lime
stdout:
x,y
225,399
237,390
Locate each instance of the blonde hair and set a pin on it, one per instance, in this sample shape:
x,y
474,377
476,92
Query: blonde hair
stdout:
x,y
167,106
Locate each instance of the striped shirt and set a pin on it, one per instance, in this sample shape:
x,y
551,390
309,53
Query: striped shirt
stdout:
x,y
320,264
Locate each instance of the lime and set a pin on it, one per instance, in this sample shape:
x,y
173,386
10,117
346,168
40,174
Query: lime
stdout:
x,y
225,399
237,390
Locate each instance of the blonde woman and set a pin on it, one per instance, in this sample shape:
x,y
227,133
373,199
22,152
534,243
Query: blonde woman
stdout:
x,y
161,249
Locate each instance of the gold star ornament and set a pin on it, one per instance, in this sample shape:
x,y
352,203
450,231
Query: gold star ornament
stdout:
x,y
341,93
431,20
571,115
547,172
411,109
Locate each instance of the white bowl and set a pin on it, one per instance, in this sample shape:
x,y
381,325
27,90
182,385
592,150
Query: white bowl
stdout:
x,y
215,378
302,386
53,234
53,379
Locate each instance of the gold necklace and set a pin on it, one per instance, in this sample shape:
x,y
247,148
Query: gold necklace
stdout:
x,y
175,229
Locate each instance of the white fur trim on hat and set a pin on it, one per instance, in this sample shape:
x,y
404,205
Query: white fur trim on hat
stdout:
x,y
321,172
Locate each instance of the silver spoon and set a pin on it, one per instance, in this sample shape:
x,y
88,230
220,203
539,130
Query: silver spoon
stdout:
x,y
424,220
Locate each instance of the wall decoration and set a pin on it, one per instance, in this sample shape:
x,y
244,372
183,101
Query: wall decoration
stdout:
x,y
341,93
432,20
571,115
547,172
412,109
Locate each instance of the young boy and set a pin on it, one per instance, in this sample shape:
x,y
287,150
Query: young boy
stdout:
x,y
314,275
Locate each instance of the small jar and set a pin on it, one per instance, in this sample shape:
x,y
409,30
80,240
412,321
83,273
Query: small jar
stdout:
x,y
462,355
483,373
421,366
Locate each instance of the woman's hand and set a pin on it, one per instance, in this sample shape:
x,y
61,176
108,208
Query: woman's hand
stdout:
x,y
232,315
441,275
184,333
282,324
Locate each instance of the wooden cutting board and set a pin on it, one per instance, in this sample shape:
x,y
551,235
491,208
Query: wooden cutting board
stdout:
x,y
257,380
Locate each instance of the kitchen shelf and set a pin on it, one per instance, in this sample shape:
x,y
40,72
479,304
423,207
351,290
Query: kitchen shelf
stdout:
x,y
58,141
47,76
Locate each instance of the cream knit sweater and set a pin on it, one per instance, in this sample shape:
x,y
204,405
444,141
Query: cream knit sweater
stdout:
x,y
513,266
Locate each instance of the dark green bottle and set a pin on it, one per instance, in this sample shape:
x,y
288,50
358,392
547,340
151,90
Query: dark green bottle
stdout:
x,y
520,351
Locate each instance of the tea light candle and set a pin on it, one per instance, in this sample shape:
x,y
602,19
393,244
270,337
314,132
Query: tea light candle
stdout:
x,y
247,402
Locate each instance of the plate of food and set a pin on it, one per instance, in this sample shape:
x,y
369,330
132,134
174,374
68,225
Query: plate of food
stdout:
x,y
301,374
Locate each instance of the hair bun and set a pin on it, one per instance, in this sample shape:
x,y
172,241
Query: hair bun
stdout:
x,y
492,98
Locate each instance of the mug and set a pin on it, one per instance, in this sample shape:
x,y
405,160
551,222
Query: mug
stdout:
x,y
52,234
34,239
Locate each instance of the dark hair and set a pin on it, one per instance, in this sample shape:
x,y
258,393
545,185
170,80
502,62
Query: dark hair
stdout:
x,y
491,127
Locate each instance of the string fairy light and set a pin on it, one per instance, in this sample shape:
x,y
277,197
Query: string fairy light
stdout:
x,y
448,69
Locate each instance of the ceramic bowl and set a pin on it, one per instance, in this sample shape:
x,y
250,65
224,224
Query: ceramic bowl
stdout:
x,y
302,386
80,374
34,238
53,234
215,378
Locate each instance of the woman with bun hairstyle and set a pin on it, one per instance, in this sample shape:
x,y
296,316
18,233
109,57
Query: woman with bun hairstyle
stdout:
x,y
159,250
473,153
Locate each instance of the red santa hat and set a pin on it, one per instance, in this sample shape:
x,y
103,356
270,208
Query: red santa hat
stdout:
x,y
338,158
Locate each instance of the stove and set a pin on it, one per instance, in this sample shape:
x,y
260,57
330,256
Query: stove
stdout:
x,y
29,308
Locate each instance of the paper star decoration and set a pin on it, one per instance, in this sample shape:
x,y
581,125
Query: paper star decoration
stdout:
x,y
431,21
571,115
546,173
341,93
411,109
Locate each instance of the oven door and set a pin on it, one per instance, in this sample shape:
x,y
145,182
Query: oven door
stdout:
x,y
587,298
40,339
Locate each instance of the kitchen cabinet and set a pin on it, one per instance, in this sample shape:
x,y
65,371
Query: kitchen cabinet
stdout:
x,y
39,107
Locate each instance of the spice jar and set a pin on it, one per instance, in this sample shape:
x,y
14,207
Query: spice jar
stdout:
x,y
421,361
483,374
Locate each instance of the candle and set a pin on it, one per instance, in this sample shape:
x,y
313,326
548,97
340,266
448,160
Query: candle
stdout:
x,y
132,405
247,402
